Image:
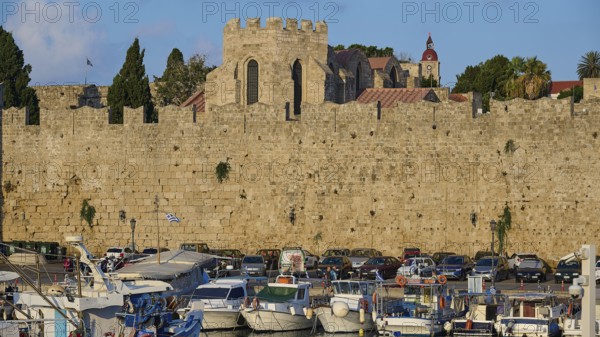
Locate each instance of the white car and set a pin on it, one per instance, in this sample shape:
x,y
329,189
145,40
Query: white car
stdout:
x,y
422,266
515,260
598,271
311,261
119,252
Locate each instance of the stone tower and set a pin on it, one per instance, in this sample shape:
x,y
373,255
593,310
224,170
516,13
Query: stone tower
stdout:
x,y
272,65
430,65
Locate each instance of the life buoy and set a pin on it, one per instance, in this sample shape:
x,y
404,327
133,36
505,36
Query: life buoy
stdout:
x,y
469,324
442,279
401,280
255,303
442,301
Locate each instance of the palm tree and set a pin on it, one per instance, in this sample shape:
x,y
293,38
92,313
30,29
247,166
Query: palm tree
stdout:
x,y
589,65
515,70
535,79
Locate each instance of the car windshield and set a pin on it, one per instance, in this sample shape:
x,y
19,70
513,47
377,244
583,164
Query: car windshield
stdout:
x,y
114,250
361,253
453,260
528,256
376,261
487,262
569,264
534,264
252,259
333,252
149,251
410,255
333,260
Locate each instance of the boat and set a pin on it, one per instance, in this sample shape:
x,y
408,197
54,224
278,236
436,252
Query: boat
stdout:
x,y
282,305
183,270
222,299
572,321
350,307
424,310
478,314
533,314
93,306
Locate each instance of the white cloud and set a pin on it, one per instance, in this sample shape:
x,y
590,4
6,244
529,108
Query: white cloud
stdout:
x,y
56,46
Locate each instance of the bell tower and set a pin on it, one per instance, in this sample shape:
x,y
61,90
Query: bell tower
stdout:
x,y
430,65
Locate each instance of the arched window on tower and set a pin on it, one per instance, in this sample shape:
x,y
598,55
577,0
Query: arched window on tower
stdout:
x,y
252,82
357,80
393,77
297,78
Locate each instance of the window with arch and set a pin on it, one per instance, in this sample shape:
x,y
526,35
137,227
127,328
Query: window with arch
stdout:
x,y
297,78
393,77
357,80
252,82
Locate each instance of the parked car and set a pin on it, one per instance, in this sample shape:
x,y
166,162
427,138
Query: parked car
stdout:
x,y
598,271
271,257
234,257
567,270
335,252
198,247
455,266
386,266
359,256
437,257
531,270
482,253
253,265
119,252
422,266
311,261
515,260
483,267
342,263
153,251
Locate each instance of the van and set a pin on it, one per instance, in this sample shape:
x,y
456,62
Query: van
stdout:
x,y
195,247
291,261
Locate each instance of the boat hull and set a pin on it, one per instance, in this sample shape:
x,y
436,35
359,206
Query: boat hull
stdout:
x,y
391,326
478,328
215,319
572,328
350,323
527,326
267,320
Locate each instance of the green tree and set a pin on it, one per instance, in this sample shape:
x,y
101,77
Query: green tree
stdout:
x,y
131,87
14,73
181,80
535,80
589,65
466,81
429,82
488,78
370,51
569,92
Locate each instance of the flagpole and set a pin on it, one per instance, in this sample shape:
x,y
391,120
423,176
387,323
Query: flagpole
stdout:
x,y
157,229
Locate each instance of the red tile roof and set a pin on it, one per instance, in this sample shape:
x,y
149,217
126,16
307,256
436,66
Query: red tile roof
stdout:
x,y
389,96
198,99
379,62
558,86
457,98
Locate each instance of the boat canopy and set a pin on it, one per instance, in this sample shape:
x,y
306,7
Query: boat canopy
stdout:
x,y
277,294
173,264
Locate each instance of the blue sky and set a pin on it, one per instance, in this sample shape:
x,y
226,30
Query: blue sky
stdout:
x,y
58,36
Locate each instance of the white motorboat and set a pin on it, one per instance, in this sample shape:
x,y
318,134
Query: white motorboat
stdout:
x,y
280,306
425,309
222,299
478,314
97,307
532,314
349,310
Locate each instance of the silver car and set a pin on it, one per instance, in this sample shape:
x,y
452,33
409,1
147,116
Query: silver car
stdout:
x,y
253,265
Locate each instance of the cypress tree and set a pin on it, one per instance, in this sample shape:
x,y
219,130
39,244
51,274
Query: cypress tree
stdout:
x,y
131,86
172,83
14,73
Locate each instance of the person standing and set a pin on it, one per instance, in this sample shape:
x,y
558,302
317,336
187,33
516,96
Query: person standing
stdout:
x,y
333,273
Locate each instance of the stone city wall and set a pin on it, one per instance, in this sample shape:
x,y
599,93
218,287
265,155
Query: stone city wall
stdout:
x,y
359,180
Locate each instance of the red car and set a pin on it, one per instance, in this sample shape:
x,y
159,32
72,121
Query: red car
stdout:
x,y
386,266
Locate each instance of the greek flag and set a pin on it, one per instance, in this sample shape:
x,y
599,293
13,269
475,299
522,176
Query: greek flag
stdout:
x,y
172,218
89,63
377,276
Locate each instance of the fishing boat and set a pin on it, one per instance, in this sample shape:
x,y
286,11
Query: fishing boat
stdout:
x,y
282,305
425,308
222,300
350,307
91,307
478,314
533,314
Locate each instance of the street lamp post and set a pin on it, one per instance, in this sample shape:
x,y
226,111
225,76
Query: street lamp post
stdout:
x,y
132,223
493,273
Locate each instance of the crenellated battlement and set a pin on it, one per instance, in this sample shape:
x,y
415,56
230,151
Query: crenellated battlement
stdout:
x,y
276,23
